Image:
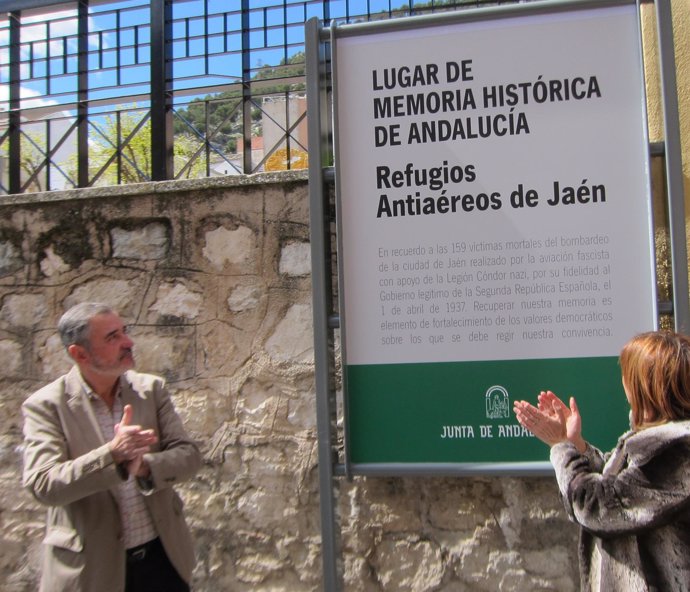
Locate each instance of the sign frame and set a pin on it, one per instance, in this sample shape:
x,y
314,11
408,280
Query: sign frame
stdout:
x,y
535,10
325,314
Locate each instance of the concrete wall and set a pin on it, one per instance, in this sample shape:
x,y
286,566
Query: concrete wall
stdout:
x,y
213,278
681,17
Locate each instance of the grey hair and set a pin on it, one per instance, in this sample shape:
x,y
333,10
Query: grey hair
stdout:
x,y
73,326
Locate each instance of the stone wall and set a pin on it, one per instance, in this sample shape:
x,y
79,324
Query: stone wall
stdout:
x,y
213,278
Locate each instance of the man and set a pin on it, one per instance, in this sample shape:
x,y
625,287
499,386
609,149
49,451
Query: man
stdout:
x,y
103,447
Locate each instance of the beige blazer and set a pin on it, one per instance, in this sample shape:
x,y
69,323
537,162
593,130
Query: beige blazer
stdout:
x,y
68,467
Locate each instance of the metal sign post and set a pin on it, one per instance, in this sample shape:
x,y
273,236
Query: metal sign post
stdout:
x,y
493,231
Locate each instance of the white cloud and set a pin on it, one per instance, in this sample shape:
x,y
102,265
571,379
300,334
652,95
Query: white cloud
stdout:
x,y
65,24
62,24
26,94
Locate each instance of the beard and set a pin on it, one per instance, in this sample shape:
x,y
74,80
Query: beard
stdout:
x,y
124,362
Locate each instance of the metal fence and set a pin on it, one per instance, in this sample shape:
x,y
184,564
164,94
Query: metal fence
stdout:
x,y
102,92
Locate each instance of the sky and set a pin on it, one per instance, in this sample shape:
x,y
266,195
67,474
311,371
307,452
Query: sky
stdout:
x,y
206,52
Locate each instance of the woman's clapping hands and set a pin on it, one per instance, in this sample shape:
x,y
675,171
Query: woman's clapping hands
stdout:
x,y
552,421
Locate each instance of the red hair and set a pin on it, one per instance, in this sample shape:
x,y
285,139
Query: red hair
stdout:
x,y
656,376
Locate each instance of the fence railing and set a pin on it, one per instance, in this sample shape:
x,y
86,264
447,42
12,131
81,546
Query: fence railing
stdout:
x,y
101,92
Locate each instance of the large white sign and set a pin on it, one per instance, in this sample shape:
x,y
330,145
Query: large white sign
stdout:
x,y
493,183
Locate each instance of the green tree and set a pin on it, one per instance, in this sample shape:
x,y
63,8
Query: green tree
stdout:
x,y
132,136
32,156
225,108
129,133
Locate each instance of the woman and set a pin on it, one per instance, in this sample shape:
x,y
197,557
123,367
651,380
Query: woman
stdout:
x,y
632,504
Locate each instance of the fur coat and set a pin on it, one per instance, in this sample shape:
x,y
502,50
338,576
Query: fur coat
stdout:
x,y
633,509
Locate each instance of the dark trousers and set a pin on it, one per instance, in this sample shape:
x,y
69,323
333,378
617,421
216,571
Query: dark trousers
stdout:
x,y
150,570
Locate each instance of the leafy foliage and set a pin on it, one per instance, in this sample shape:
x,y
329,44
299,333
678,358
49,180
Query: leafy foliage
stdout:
x,y
33,152
133,164
223,110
